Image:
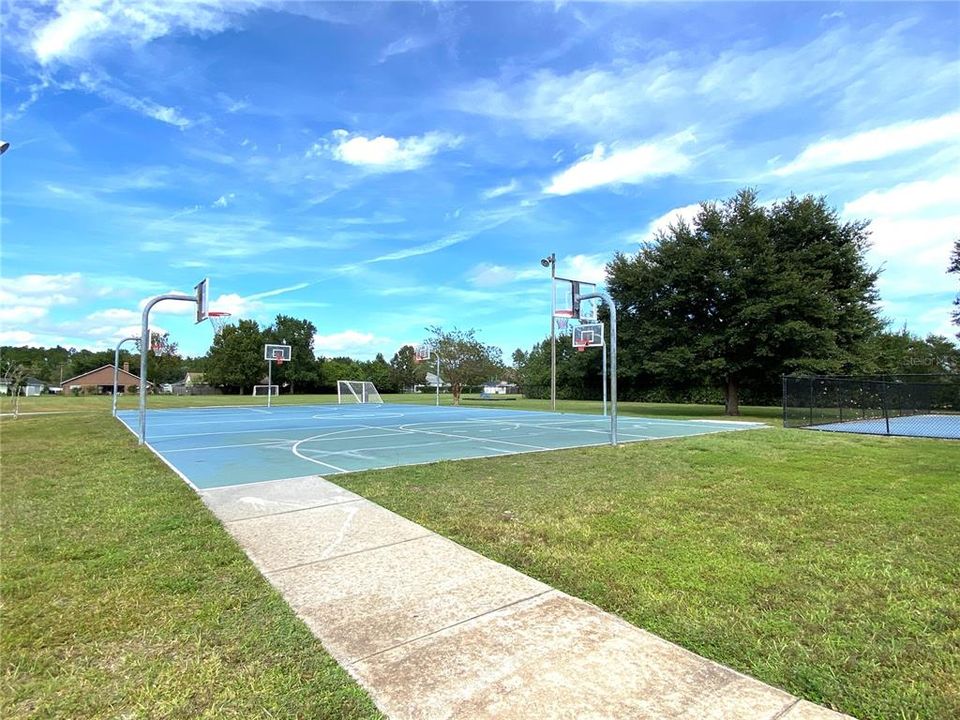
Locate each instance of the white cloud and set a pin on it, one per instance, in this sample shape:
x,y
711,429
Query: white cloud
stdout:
x,y
21,313
686,213
875,144
912,227
223,200
350,342
82,27
622,166
500,190
383,153
589,268
61,36
490,275
907,198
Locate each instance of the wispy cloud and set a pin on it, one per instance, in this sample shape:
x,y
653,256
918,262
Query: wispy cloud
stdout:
x,y
407,43
626,165
500,190
869,69
875,144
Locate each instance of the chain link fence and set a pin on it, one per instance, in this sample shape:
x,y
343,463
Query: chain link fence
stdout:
x,y
909,405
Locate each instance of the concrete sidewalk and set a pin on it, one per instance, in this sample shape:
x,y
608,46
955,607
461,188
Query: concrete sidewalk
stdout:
x,y
433,630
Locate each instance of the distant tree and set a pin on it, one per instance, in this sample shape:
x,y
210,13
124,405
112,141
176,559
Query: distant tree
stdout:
x,y
235,360
954,267
746,294
378,372
164,364
579,375
14,377
900,352
405,371
338,368
301,370
464,360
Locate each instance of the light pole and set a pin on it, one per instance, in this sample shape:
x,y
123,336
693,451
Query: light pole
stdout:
x,y
551,262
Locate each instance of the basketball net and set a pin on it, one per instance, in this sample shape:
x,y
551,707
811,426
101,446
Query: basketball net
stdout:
x,y
218,319
278,357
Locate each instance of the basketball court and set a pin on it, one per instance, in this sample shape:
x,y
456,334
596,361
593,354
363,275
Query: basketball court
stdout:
x,y
221,446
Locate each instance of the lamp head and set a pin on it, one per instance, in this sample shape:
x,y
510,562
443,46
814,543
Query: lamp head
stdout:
x,y
545,262
3,146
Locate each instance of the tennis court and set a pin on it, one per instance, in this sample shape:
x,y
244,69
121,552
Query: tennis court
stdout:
x,y
221,446
927,426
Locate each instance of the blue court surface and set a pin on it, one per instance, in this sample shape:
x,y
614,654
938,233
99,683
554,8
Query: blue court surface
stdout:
x,y
221,446
927,426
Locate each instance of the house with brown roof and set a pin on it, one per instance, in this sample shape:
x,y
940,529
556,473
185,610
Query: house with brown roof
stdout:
x,y
102,380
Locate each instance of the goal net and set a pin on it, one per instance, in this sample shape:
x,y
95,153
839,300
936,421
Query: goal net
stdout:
x,y
261,390
357,391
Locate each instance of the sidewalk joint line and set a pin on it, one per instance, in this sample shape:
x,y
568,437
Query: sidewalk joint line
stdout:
x,y
788,708
293,510
346,554
453,625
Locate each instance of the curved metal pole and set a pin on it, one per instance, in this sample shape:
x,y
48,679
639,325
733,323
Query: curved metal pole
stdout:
x,y
116,368
613,358
144,347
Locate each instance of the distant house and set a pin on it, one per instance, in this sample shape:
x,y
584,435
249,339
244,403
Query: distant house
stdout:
x,y
31,386
194,383
493,387
431,382
102,380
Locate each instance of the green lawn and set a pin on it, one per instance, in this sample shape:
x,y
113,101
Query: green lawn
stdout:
x,y
824,564
123,597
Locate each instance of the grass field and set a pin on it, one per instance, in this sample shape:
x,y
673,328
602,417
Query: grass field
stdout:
x,y
123,597
824,564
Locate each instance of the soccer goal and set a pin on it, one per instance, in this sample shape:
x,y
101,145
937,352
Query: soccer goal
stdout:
x,y
261,390
357,391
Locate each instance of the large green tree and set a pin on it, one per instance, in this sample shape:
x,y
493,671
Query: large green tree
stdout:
x,y
744,294
235,361
464,360
301,371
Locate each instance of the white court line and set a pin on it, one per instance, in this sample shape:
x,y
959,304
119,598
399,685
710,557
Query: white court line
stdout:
x,y
241,432
328,453
296,451
407,428
281,443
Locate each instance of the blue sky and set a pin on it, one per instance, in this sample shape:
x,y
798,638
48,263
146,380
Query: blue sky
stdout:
x,y
378,168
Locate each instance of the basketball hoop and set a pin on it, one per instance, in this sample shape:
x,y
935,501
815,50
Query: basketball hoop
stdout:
x,y
278,357
218,319
580,346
